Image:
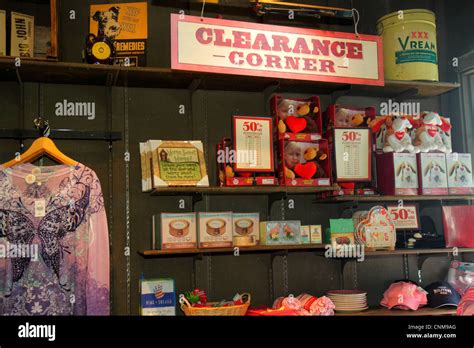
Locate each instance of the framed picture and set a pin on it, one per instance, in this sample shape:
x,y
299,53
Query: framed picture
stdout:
x,y
405,217
352,154
253,144
178,163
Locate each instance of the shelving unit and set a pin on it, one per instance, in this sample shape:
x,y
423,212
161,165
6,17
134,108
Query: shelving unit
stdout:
x,y
301,247
399,313
85,74
242,190
378,198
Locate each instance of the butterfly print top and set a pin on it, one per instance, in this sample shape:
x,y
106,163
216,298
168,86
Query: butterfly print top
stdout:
x,y
54,244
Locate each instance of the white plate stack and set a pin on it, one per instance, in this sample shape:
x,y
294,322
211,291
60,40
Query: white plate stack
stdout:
x,y
348,300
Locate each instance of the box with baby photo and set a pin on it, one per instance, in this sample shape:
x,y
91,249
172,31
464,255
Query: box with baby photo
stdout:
x,y
459,168
348,116
397,173
303,163
297,118
432,174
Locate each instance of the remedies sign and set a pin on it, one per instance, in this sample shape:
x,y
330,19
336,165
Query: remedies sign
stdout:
x,y
242,48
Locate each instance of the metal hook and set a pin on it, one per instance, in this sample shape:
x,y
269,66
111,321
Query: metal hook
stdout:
x,y
42,126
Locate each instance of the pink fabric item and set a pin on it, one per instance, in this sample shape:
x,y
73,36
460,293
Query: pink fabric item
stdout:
x,y
466,305
58,214
289,302
404,295
316,306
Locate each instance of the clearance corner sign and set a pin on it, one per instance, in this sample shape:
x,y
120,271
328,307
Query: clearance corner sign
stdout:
x,y
242,48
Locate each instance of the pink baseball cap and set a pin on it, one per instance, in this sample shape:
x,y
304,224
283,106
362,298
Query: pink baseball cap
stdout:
x,y
404,295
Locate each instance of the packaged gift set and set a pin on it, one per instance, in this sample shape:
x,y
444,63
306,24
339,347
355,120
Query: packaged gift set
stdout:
x,y
397,173
246,229
178,231
297,118
157,297
304,163
303,156
280,232
459,169
215,230
432,174
341,232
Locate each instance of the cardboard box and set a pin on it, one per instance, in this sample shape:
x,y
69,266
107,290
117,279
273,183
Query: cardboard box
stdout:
x,y
432,174
280,233
246,224
315,234
305,234
157,297
178,231
296,163
459,169
397,173
341,232
215,230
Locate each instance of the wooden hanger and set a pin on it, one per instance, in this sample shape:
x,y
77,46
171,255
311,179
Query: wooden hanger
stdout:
x,y
40,147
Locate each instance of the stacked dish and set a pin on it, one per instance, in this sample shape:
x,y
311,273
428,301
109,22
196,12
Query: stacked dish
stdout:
x,y
348,300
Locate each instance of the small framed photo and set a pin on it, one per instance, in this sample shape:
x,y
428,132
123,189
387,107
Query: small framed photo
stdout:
x,y
178,163
353,154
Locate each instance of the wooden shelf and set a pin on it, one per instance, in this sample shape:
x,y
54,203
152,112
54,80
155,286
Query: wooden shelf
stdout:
x,y
378,198
86,74
426,311
241,190
300,247
258,248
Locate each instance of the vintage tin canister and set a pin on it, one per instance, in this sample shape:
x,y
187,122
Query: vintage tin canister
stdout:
x,y
409,45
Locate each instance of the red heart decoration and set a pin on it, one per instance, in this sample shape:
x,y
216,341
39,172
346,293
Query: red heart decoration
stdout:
x,y
306,171
296,124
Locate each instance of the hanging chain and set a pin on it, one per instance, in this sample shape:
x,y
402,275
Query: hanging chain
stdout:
x,y
127,198
356,285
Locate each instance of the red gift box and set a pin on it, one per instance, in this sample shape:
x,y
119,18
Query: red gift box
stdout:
x,y
300,117
306,172
458,226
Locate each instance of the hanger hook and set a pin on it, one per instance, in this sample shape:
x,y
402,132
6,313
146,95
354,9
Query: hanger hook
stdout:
x,y
42,126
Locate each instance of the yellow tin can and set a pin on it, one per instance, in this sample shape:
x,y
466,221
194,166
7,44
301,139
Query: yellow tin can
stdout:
x,y
409,45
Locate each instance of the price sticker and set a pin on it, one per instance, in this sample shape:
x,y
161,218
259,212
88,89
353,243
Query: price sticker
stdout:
x,y
405,217
253,144
352,154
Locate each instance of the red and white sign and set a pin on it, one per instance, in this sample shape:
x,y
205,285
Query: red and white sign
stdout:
x,y
242,48
405,217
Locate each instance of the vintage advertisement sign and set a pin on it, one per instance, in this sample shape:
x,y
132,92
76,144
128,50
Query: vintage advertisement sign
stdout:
x,y
22,38
242,48
126,24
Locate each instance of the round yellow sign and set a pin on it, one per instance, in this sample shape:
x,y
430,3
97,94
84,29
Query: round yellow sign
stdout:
x,y
101,50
